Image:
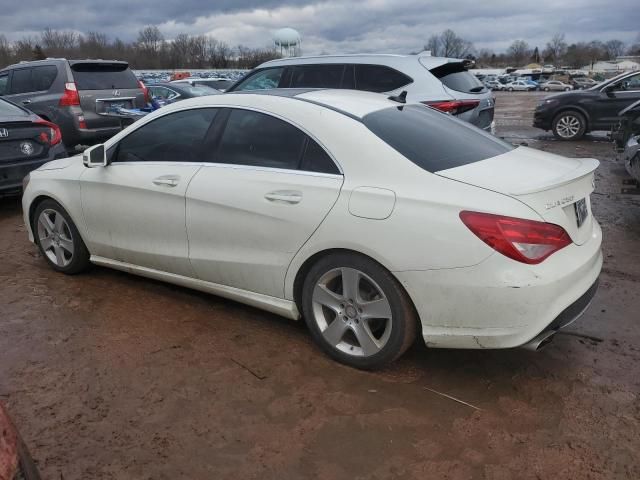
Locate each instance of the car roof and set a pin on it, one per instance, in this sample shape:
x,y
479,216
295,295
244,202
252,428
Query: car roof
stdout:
x,y
352,103
50,61
366,58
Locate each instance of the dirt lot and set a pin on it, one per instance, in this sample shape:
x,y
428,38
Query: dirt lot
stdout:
x,y
112,376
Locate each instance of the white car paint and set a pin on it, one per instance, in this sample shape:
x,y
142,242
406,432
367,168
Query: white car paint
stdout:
x,y
229,239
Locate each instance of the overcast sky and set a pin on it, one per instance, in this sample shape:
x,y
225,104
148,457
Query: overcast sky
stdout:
x,y
334,26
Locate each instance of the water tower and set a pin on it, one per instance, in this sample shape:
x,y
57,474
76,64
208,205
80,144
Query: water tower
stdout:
x,y
288,41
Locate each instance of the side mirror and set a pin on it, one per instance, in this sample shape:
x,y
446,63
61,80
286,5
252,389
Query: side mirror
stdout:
x,y
95,156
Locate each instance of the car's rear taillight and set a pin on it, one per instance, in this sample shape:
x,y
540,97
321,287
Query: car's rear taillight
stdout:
x,y
51,135
145,90
454,107
70,96
526,241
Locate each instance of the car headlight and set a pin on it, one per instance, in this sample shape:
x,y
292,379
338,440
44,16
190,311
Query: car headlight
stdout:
x,y
548,102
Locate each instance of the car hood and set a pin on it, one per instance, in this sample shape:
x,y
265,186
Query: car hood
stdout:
x,y
61,163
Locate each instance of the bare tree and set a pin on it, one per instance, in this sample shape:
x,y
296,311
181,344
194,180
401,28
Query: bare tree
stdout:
x,y
93,44
614,48
519,52
453,45
6,53
555,48
433,45
58,43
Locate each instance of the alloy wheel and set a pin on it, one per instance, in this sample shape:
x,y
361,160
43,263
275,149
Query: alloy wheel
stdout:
x,y
55,238
352,312
568,126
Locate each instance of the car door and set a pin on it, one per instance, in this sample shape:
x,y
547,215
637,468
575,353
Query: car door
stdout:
x,y
134,208
624,92
267,188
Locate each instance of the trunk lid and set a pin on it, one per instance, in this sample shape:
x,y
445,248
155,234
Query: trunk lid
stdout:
x,y
22,141
552,185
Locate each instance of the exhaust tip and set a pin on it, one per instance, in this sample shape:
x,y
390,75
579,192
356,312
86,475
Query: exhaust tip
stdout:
x,y
539,342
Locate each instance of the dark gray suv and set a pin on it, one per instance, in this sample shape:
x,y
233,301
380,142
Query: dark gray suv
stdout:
x,y
76,95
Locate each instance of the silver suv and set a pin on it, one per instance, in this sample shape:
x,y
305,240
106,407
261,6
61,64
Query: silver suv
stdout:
x,y
443,83
76,95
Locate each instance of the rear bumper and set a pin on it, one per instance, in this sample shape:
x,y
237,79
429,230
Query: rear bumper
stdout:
x,y
12,173
501,303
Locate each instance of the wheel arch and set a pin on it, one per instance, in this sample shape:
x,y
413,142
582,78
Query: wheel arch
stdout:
x,y
41,197
306,266
573,108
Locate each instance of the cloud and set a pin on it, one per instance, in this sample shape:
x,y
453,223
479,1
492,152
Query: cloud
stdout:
x,y
332,26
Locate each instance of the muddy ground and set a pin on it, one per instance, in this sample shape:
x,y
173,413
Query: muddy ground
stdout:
x,y
112,376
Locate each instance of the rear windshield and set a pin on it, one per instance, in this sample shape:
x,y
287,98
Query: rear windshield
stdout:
x,y
199,90
103,76
431,139
456,77
7,108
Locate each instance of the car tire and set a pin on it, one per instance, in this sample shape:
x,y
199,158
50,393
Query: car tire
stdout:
x,y
567,89
360,339
569,125
510,89
58,239
546,89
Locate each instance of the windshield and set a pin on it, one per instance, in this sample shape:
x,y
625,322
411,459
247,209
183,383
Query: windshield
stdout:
x,y
431,139
199,90
103,76
456,77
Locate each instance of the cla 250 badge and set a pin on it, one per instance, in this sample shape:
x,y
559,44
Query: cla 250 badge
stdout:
x,y
557,203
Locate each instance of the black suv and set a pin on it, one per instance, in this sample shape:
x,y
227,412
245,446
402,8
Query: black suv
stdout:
x,y
572,114
74,94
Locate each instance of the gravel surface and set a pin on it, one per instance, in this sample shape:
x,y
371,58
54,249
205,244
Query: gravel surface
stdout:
x,y
107,375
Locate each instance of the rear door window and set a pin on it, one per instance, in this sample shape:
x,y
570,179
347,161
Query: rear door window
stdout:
x,y
378,78
262,80
256,139
315,159
317,76
103,76
43,77
431,139
456,77
4,83
21,81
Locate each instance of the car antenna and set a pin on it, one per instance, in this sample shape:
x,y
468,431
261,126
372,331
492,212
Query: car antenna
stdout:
x,y
402,98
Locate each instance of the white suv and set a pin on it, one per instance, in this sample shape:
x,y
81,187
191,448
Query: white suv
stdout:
x,y
443,83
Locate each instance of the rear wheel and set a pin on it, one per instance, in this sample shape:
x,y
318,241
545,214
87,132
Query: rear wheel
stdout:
x,y
58,239
566,89
569,126
357,311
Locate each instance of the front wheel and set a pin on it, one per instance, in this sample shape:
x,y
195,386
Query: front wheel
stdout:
x,y
511,89
569,126
546,89
357,311
58,239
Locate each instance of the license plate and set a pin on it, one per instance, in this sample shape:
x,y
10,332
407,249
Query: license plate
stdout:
x,y
581,211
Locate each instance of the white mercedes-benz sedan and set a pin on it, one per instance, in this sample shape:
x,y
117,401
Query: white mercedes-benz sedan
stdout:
x,y
372,219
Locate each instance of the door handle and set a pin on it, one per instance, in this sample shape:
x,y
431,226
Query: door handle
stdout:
x,y
26,102
167,181
284,196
